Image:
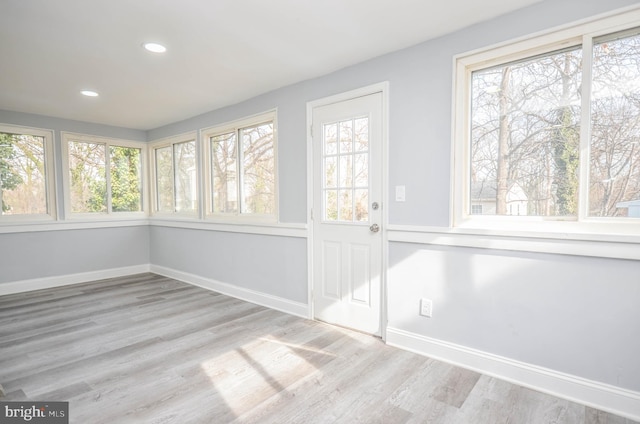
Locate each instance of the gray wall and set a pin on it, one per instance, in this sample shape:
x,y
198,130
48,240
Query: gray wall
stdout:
x,y
42,254
267,264
60,125
567,313
573,314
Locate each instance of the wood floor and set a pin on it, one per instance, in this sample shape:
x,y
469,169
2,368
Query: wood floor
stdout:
x,y
149,349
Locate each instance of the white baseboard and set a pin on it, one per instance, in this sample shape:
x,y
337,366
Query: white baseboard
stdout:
x,y
65,280
605,397
270,301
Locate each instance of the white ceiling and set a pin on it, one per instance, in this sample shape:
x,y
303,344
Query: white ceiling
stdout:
x,y
220,52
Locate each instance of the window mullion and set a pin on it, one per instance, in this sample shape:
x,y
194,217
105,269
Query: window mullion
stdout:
x,y
240,171
107,177
585,128
173,176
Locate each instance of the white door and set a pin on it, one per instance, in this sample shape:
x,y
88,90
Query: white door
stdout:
x,y
347,213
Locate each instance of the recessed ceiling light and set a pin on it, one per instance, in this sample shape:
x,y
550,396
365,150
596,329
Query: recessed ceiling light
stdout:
x,y
89,93
155,47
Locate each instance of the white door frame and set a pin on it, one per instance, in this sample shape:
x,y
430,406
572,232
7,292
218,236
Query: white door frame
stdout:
x,y
382,88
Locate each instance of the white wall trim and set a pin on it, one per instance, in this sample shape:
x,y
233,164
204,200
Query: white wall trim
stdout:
x,y
602,396
618,247
259,298
281,229
65,280
284,230
70,225
591,393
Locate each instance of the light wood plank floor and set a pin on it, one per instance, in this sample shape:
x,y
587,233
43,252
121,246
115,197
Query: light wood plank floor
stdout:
x,y
149,349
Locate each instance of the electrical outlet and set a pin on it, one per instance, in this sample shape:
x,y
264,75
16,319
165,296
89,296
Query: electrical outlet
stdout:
x,y
426,307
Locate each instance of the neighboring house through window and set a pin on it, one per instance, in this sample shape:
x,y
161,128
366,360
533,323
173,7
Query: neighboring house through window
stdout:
x,y
553,127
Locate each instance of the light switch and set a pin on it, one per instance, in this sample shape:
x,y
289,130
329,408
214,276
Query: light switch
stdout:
x,y
400,193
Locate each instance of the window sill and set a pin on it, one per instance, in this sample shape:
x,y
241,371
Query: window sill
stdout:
x,y
618,246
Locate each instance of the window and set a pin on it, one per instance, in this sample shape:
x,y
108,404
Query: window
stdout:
x,y
175,176
345,158
241,168
476,209
552,134
104,176
614,162
26,174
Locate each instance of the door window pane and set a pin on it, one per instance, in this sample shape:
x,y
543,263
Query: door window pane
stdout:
x,y
331,139
361,127
331,205
331,172
348,168
345,205
346,171
361,205
346,136
361,170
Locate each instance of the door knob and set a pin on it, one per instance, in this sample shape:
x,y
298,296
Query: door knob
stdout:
x,y
374,228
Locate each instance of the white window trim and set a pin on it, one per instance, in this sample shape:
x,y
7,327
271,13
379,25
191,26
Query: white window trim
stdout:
x,y
166,142
50,177
66,184
239,218
463,66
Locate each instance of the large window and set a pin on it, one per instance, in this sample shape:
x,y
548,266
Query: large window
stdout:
x,y
552,134
241,164
175,176
103,175
26,174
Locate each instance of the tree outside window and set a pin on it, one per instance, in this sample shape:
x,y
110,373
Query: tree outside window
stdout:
x,y
23,176
525,133
104,178
242,168
176,182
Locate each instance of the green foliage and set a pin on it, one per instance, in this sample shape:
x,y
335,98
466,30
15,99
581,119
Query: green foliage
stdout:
x,y
566,157
88,178
9,179
125,179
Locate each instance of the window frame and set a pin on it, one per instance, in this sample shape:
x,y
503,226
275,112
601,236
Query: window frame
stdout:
x,y
581,34
236,126
109,214
153,182
51,194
